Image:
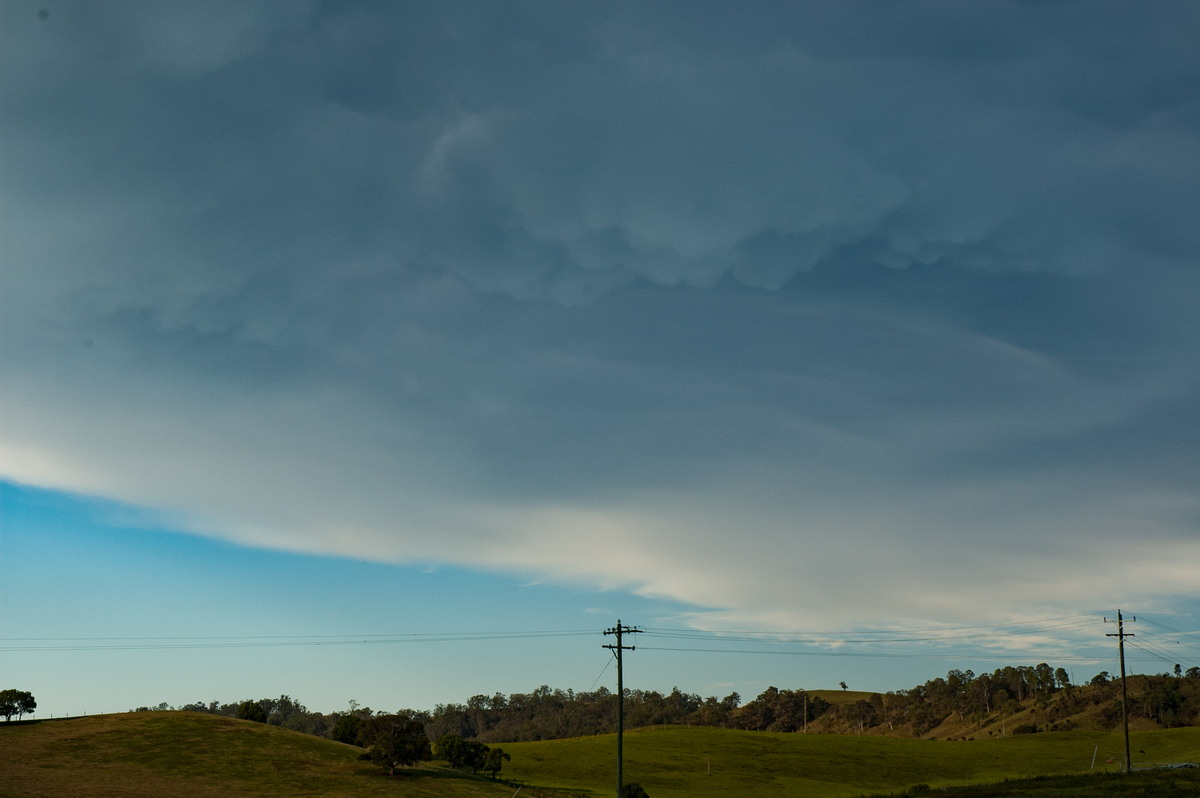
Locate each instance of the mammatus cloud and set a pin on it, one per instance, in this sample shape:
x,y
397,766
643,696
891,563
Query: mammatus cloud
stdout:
x,y
758,312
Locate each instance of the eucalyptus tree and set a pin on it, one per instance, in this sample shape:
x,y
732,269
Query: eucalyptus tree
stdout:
x,y
16,702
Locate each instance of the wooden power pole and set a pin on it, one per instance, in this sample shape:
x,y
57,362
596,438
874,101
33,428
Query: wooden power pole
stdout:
x,y
1121,634
617,648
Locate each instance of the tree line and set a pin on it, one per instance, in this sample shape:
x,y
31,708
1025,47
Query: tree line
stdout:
x,y
1169,699
546,714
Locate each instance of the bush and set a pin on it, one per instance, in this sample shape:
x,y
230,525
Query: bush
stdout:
x,y
394,741
251,710
345,729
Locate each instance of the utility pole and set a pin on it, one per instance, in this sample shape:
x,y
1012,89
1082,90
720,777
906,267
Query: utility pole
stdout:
x,y
617,648
1121,634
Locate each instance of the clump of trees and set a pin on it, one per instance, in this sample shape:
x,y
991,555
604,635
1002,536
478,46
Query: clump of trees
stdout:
x,y
345,729
461,754
962,694
283,711
778,711
251,710
1170,699
16,702
547,714
394,741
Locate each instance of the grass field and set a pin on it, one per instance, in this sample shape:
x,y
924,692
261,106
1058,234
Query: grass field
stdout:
x,y
699,763
1140,784
185,754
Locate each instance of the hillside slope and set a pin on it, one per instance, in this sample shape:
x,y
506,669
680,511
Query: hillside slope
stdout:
x,y
191,755
1155,702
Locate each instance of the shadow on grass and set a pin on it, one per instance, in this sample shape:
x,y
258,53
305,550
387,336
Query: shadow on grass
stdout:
x,y
1163,783
538,791
527,790
436,773
423,772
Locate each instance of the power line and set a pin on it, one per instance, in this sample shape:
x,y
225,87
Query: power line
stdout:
x,y
1176,637
1152,647
944,656
1172,630
264,641
874,637
1079,620
603,671
827,643
454,635
849,640
828,637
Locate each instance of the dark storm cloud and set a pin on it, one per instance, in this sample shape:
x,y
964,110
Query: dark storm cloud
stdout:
x,y
479,282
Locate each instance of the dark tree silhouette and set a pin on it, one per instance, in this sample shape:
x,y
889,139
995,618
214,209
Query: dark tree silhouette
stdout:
x,y
394,741
16,702
252,710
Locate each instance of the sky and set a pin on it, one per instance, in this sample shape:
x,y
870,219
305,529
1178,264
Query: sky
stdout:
x,y
395,351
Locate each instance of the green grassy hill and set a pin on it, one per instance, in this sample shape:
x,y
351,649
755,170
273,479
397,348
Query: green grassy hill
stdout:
x,y
190,755
186,754
699,762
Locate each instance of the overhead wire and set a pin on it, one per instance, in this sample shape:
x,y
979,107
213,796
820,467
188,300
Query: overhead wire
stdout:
x,y
1153,646
264,641
828,643
1189,641
607,662
1152,655
873,655
1076,619
876,636
97,643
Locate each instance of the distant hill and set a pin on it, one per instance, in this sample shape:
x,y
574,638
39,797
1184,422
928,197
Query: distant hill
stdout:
x,y
942,710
